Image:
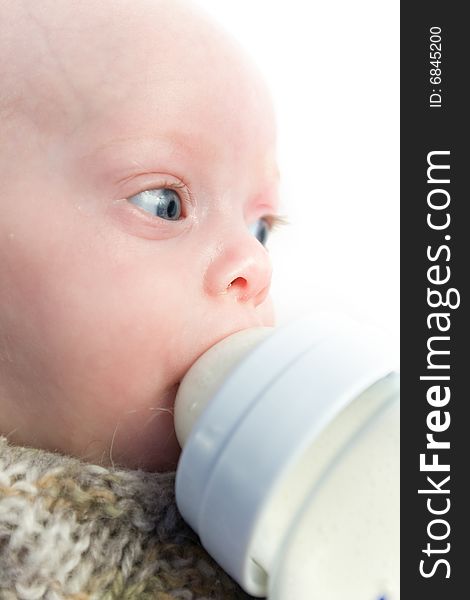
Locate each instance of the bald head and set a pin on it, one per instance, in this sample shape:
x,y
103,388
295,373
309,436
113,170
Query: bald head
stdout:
x,y
63,62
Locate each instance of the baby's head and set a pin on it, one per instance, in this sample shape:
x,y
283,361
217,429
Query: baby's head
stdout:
x,y
137,158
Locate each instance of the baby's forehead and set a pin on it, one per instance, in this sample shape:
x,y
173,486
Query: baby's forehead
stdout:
x,y
63,63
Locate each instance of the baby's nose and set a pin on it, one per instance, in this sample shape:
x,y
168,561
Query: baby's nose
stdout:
x,y
241,269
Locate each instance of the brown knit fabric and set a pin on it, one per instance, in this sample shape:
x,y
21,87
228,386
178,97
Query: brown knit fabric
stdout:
x,y
75,531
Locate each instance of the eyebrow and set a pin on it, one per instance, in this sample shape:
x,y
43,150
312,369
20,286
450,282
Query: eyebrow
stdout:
x,y
177,139
107,161
167,146
119,141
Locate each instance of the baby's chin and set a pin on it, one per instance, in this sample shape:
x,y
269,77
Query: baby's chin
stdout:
x,y
141,439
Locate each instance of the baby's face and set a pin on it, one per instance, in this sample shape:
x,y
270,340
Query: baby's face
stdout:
x,y
137,162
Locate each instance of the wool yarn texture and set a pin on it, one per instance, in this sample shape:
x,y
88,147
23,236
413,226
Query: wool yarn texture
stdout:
x,y
70,530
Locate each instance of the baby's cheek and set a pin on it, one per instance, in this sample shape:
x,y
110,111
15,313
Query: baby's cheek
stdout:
x,y
144,437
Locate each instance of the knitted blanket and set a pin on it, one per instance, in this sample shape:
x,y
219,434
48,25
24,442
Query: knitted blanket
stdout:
x,y
75,531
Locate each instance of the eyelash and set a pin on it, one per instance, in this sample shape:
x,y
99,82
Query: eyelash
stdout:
x,y
172,185
275,221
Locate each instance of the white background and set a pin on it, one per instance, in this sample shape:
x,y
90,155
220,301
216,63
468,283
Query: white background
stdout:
x,y
333,69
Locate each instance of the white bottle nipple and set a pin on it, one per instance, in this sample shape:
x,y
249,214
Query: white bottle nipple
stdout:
x,y
207,374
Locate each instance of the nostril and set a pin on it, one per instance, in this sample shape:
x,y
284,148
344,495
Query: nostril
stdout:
x,y
244,291
239,282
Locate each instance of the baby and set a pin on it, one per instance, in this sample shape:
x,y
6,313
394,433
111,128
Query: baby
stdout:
x,y
139,184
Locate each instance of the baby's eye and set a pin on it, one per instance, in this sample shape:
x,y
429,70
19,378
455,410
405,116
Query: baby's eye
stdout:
x,y
260,229
160,202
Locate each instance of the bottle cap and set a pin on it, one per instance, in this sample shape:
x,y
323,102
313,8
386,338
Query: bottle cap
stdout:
x,y
258,423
